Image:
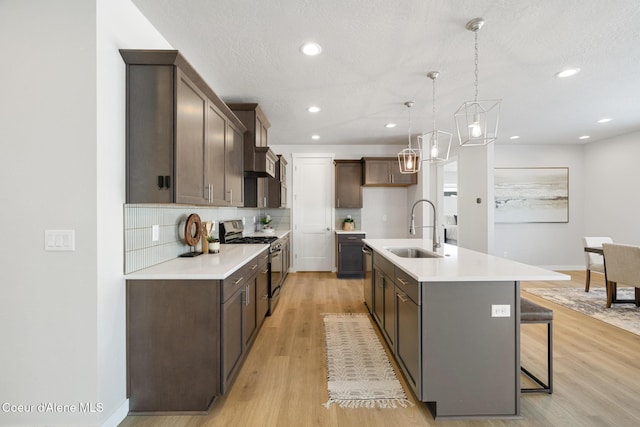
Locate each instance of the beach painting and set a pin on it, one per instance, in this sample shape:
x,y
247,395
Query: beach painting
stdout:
x,y
531,195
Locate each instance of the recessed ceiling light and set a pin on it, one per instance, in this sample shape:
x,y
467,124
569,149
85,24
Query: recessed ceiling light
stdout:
x,y
311,49
568,72
315,136
514,137
390,125
604,120
313,109
584,137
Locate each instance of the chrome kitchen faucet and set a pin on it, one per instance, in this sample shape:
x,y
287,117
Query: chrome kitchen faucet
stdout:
x,y
412,228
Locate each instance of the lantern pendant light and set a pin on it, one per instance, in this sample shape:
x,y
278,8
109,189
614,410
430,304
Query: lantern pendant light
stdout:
x,y
436,143
410,158
477,121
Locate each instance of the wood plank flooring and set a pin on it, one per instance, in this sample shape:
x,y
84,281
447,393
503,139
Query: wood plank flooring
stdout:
x,y
283,380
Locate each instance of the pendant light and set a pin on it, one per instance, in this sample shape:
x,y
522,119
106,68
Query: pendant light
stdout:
x,y
477,121
436,144
410,158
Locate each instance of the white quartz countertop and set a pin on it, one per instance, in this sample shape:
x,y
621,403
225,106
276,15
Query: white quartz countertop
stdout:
x,y
202,267
351,232
458,264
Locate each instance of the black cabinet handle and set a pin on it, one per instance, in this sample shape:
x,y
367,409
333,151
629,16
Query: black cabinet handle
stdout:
x,y
167,181
160,181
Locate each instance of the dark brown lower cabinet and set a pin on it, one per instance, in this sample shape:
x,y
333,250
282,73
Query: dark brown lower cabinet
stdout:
x,y
186,339
173,345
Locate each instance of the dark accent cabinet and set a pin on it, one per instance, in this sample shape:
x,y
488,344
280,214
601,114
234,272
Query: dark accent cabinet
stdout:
x,y
385,172
277,197
351,262
348,184
184,145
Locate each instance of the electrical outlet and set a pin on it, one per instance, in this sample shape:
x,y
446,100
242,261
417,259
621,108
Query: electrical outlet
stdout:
x,y
384,218
500,310
155,233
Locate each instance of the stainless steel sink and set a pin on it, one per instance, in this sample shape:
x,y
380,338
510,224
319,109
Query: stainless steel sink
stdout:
x,y
413,253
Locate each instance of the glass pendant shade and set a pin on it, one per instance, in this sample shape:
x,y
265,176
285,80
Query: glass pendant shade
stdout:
x,y
410,158
477,121
435,144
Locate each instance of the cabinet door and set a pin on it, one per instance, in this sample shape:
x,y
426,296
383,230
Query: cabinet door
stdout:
x,y
261,133
378,297
350,257
408,338
377,172
400,178
191,111
390,311
234,174
215,156
348,184
232,341
249,323
150,136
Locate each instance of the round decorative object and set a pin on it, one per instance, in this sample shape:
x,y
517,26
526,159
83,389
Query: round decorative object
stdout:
x,y
192,230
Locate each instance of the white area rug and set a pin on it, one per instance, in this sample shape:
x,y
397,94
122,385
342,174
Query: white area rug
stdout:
x,y
359,372
625,316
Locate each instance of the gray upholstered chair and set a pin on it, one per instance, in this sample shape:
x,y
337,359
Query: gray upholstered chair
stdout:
x,y
621,265
593,262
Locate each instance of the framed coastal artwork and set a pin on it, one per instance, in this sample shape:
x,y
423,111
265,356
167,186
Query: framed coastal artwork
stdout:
x,y
531,195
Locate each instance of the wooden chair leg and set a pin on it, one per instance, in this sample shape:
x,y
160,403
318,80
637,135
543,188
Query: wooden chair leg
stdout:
x,y
637,297
609,293
586,287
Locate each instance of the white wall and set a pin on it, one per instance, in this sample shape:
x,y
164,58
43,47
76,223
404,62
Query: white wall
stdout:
x,y
62,104
553,245
385,213
611,205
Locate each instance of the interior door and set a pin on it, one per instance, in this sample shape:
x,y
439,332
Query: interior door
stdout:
x,y
313,212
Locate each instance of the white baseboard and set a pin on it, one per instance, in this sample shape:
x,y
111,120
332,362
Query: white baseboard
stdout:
x,y
118,416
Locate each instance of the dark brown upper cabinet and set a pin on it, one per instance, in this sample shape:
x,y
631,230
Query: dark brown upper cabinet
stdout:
x,y
277,194
348,184
385,172
184,145
259,160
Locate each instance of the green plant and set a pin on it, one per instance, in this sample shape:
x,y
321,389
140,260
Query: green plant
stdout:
x,y
212,239
348,220
265,219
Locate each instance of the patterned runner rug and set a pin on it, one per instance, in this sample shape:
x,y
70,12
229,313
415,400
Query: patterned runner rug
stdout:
x,y
359,372
592,303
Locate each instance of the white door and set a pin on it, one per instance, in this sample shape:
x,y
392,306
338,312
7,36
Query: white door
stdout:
x,y
313,176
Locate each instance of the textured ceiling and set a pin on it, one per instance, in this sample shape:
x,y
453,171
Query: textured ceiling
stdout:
x,y
376,53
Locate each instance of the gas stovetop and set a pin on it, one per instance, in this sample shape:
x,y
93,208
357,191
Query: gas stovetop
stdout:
x,y
254,239
231,232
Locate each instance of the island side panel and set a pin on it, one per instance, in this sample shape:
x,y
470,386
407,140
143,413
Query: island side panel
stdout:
x,y
471,360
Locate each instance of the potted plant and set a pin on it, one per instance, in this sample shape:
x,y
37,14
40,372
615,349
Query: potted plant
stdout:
x,y
348,223
265,221
214,244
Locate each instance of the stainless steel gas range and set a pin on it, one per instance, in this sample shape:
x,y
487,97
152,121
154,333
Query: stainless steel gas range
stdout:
x,y
232,232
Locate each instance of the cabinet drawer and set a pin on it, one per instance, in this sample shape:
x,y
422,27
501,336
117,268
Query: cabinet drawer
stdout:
x,y
384,265
234,282
407,284
350,238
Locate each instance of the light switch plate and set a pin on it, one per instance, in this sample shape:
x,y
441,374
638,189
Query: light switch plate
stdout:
x,y
155,233
500,310
59,240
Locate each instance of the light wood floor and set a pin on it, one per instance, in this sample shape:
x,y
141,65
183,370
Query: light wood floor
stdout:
x,y
283,380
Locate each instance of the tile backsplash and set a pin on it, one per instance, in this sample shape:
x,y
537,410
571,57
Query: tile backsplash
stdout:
x,y
139,219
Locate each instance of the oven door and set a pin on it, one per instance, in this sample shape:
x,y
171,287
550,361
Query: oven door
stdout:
x,y
276,273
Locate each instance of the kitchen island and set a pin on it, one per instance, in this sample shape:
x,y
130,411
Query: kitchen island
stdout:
x,y
452,321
